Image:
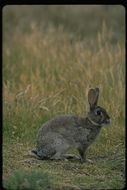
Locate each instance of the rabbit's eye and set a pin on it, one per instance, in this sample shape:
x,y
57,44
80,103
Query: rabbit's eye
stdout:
x,y
98,112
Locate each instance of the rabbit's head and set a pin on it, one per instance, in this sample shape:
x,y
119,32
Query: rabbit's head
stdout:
x,y
97,115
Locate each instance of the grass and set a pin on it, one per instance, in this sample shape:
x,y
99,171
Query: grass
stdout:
x,y
52,55
34,180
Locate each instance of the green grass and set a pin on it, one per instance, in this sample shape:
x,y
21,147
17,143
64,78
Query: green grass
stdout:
x,y
32,180
52,55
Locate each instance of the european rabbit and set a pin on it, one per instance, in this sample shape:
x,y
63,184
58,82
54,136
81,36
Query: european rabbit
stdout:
x,y
58,135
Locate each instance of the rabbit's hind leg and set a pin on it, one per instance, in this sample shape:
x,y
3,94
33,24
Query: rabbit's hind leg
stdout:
x,y
63,156
70,156
61,147
57,156
60,154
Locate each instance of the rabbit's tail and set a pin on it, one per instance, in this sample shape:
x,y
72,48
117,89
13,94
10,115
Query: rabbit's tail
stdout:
x,y
34,151
39,154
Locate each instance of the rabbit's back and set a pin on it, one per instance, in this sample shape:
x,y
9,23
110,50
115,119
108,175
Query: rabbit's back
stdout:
x,y
61,124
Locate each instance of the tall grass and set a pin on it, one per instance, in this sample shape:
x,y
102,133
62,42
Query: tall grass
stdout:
x,y
46,74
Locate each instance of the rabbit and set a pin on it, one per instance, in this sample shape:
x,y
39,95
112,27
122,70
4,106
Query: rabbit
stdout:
x,y
58,135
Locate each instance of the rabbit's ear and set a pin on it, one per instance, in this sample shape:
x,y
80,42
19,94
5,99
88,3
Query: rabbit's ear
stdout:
x,y
93,95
